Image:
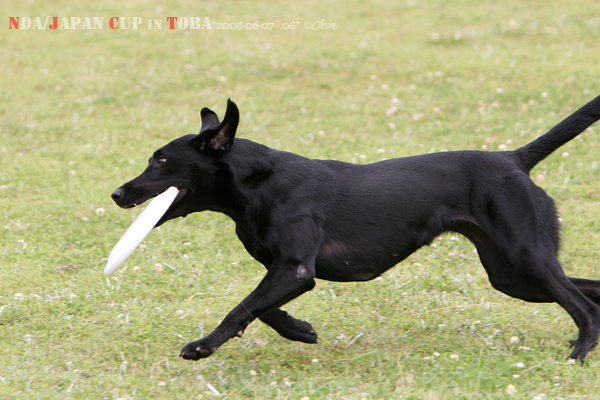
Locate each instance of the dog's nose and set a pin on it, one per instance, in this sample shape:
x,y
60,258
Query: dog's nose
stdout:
x,y
116,195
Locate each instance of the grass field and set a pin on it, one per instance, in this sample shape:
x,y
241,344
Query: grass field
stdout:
x,y
81,111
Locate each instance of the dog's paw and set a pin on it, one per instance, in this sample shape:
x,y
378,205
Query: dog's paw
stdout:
x,y
305,332
300,331
196,350
580,349
290,327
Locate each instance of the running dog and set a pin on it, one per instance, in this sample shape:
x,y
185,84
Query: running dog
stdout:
x,y
305,219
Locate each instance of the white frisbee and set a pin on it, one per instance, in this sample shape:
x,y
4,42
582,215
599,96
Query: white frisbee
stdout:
x,y
139,229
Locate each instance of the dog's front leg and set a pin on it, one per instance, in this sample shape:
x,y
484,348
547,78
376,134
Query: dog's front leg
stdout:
x,y
285,280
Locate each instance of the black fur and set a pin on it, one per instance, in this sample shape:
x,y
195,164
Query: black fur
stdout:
x,y
305,219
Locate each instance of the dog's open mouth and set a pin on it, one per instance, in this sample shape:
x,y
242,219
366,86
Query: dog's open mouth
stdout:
x,y
181,192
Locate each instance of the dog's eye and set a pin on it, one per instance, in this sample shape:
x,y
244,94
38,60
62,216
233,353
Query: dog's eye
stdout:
x,y
161,161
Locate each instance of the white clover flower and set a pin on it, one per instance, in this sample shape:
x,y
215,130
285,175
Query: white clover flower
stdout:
x,y
510,389
540,178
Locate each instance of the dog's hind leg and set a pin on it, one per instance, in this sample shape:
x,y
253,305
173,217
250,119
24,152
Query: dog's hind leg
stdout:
x,y
288,326
590,288
541,280
502,274
547,274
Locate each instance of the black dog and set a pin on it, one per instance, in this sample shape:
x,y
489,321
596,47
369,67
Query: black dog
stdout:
x,y
305,219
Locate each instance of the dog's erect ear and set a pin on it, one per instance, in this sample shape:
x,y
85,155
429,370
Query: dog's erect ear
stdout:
x,y
209,119
214,137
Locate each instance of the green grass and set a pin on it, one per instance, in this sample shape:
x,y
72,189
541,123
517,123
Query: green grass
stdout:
x,y
81,111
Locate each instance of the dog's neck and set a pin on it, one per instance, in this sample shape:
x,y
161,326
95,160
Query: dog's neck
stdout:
x,y
240,176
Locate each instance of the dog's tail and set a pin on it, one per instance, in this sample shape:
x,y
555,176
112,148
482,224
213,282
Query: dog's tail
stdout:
x,y
573,125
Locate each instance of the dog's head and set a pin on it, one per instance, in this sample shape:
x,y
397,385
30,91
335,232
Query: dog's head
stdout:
x,y
188,163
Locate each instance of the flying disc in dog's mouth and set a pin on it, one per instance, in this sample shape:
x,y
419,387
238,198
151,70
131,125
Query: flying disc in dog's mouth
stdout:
x,y
181,192
140,228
